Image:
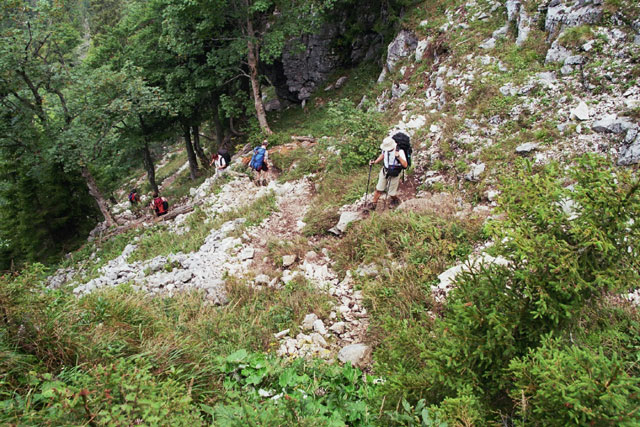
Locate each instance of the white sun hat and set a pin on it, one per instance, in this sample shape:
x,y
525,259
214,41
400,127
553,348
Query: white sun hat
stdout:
x,y
388,144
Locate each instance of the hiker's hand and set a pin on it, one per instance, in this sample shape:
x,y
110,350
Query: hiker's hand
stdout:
x,y
397,154
371,162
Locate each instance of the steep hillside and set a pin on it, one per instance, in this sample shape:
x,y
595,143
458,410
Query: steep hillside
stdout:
x,y
502,290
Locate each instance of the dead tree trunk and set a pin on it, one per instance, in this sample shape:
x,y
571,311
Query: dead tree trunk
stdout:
x,y
149,167
191,155
198,148
97,195
252,60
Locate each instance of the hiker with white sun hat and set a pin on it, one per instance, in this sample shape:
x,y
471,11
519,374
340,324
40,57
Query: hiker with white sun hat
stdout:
x,y
394,162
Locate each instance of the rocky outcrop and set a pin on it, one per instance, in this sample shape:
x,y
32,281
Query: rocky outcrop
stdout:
x,y
308,61
567,13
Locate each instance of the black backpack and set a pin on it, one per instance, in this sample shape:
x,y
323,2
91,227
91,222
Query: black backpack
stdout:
x,y
403,142
226,156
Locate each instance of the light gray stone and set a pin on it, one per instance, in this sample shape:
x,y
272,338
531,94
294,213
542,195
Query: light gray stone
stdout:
x,y
636,40
574,60
288,260
340,82
338,328
262,279
476,170
581,112
309,319
318,340
282,334
564,14
489,43
526,147
421,49
318,326
346,218
566,70
358,354
246,253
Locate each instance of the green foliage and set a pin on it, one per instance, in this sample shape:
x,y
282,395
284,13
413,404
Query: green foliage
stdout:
x,y
576,36
363,132
567,247
571,384
262,389
116,393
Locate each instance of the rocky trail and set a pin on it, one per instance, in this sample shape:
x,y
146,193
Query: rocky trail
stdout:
x,y
233,250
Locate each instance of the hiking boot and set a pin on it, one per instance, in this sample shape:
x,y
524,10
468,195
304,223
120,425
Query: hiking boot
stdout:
x,y
395,201
370,206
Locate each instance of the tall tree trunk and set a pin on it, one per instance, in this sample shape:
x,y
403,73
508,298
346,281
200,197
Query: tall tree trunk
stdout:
x,y
191,155
198,148
255,83
218,124
96,194
149,167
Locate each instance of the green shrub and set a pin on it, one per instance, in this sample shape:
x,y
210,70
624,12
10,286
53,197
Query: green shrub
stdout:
x,y
574,385
363,132
566,246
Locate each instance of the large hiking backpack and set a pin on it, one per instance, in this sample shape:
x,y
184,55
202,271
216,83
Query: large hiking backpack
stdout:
x,y
133,197
403,142
258,158
226,156
161,206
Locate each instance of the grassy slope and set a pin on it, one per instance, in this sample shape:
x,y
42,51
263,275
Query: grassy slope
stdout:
x,y
181,354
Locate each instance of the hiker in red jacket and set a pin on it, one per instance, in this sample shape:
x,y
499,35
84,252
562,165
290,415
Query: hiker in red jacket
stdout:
x,y
159,205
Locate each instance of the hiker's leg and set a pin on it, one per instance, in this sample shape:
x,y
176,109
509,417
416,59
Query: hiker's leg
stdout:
x,y
393,185
376,196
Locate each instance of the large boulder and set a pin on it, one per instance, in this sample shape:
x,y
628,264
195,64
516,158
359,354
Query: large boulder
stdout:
x,y
611,123
358,354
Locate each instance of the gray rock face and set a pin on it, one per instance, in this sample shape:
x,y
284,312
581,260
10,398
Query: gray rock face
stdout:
x,y
421,49
401,47
564,14
397,90
631,155
358,354
556,53
612,124
518,15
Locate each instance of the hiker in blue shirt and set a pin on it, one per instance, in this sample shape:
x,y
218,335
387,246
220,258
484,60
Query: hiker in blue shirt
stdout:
x,y
259,163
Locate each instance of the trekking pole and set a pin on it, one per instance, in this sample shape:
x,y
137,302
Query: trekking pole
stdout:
x,y
366,193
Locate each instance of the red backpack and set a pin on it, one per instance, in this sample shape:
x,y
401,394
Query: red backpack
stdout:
x,y
160,205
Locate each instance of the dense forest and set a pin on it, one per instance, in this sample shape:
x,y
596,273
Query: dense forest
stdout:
x,y
499,285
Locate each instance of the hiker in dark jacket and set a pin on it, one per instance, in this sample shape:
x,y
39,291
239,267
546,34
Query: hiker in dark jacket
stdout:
x,y
394,162
259,163
159,205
